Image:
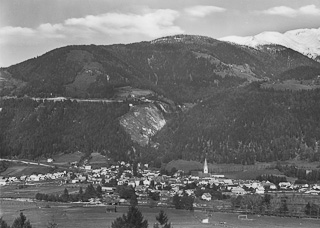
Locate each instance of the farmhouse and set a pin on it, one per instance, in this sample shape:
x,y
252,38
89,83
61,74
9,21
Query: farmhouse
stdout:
x,y
284,185
108,190
238,191
260,190
3,181
206,196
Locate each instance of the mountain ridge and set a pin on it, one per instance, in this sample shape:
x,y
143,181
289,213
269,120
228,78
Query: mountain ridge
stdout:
x,y
161,65
305,41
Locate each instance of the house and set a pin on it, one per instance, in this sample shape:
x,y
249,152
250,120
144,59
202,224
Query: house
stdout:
x,y
3,181
108,190
34,178
284,185
206,196
87,167
190,192
238,191
49,160
146,182
227,182
260,190
132,183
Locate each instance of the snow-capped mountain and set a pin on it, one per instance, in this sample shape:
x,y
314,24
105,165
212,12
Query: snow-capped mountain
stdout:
x,y
305,41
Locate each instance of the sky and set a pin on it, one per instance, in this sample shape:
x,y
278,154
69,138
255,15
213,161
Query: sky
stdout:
x,y
30,28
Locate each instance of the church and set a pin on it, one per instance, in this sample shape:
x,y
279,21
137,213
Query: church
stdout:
x,y
205,167
204,173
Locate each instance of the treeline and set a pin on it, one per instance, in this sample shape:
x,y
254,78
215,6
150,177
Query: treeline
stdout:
x,y
272,178
245,126
33,129
90,192
305,176
279,205
134,218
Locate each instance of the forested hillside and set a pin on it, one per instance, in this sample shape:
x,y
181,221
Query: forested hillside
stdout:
x,y
205,94
32,129
246,125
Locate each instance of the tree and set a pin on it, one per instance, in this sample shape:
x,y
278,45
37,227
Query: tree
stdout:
x,y
176,201
162,218
3,224
80,194
65,195
99,191
52,224
21,222
154,196
133,219
90,191
133,200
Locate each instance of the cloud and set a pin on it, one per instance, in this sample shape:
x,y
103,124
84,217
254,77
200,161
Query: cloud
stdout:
x,y
202,11
310,10
149,24
281,10
152,24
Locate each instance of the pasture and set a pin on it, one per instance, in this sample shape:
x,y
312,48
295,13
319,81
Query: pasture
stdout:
x,y
61,159
78,215
17,170
29,191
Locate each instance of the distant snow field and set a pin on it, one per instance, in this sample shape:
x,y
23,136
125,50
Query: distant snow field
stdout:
x,y
305,41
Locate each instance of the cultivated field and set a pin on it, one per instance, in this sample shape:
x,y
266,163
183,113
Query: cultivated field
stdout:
x,y
76,215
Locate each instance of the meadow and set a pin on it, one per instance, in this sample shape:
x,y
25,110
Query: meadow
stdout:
x,y
78,215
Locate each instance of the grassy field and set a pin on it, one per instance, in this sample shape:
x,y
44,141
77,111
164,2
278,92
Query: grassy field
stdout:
x,y
236,171
250,174
18,170
61,159
29,191
72,215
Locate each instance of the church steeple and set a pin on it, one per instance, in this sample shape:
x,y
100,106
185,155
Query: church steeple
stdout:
x,y
205,166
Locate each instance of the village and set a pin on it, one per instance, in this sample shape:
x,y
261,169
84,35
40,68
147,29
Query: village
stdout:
x,y
152,187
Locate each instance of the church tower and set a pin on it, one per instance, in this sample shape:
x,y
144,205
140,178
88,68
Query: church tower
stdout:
x,y
205,166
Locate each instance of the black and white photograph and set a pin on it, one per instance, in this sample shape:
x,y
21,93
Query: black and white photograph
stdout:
x,y
159,113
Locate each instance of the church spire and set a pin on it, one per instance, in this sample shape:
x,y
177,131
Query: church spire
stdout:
x,y
205,166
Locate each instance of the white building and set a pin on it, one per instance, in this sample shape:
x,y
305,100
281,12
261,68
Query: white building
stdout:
x,y
205,166
206,196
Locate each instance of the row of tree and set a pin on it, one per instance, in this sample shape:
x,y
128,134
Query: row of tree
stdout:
x,y
304,175
135,219
276,204
90,192
272,178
